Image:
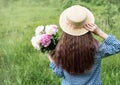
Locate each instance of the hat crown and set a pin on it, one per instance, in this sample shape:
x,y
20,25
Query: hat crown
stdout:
x,y
73,18
76,14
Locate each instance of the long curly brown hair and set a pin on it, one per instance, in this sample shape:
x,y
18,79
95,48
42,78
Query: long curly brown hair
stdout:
x,y
75,53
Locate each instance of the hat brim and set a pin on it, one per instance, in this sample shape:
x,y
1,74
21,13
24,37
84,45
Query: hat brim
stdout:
x,y
75,32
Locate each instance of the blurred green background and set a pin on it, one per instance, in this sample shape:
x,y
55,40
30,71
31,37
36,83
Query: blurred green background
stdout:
x,y
20,64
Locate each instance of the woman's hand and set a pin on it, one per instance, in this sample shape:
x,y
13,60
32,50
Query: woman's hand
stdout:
x,y
50,55
96,30
90,27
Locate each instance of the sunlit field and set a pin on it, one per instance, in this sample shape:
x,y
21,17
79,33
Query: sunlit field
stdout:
x,y
21,64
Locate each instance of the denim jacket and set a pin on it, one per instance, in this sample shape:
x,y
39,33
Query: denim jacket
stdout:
x,y
108,47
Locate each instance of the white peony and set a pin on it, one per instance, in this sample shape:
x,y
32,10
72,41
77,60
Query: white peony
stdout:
x,y
39,30
51,29
36,42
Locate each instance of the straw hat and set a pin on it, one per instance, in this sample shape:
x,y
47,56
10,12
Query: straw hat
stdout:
x,y
73,18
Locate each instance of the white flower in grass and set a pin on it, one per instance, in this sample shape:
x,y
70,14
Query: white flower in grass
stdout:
x,y
39,30
51,29
36,40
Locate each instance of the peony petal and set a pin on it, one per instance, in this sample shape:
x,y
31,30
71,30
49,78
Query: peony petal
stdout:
x,y
46,40
39,30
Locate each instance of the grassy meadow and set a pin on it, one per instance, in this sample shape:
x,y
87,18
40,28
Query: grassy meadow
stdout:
x,y
20,64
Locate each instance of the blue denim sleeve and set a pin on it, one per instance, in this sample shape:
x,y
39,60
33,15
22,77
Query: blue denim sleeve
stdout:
x,y
57,70
109,47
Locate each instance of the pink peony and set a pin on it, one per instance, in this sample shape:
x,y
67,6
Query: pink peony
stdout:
x,y
54,28
46,39
51,29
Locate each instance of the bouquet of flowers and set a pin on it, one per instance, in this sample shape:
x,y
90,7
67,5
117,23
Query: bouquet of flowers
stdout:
x,y
45,38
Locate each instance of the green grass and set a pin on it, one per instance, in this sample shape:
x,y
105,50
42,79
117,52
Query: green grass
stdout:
x,y
20,64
